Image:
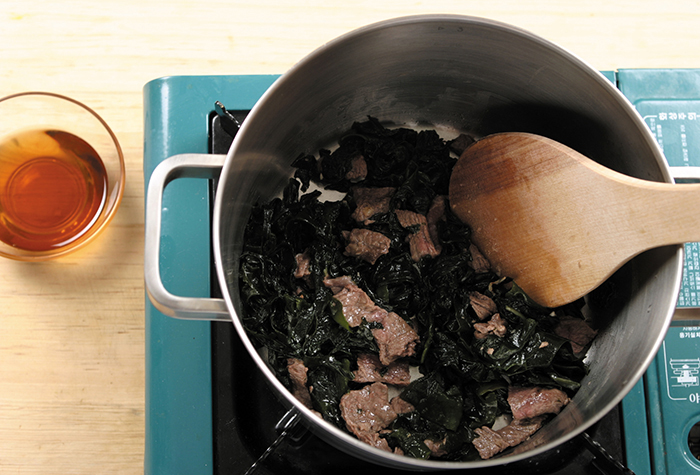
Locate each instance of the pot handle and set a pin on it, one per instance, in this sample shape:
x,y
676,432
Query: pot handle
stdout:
x,y
189,165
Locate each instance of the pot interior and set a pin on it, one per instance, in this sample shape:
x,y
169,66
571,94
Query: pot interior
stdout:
x,y
471,75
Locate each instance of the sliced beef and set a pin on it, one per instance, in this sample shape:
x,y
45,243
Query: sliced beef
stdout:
x,y
520,429
419,240
482,305
490,442
396,338
375,440
303,263
461,143
367,411
365,244
400,406
410,218
437,448
479,263
337,284
371,201
358,169
495,326
297,374
356,303
436,213
577,331
526,403
370,370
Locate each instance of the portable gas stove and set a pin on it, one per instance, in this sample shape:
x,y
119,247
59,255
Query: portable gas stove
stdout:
x,y
209,411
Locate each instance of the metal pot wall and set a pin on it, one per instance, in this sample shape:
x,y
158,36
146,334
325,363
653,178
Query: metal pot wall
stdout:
x,y
456,73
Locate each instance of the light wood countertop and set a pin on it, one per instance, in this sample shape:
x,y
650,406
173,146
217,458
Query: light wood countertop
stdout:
x,y
72,330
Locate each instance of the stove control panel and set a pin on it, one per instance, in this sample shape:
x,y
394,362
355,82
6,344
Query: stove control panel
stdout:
x,y
669,396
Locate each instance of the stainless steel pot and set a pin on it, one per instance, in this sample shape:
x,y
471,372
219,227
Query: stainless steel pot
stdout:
x,y
456,73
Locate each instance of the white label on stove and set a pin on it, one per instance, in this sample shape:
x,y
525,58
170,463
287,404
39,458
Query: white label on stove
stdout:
x,y
681,352
673,125
685,372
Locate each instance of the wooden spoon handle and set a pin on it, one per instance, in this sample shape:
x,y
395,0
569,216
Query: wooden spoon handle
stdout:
x,y
663,213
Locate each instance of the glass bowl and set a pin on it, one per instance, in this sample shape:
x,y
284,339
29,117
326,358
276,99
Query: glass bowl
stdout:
x,y
61,175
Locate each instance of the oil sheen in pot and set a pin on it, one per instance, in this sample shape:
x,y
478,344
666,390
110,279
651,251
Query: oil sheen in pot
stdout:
x,y
53,187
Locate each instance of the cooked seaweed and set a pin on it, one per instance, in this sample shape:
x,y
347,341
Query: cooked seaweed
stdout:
x,y
465,379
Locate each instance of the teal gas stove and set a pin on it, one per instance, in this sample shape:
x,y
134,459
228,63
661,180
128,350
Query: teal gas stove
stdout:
x,y
199,385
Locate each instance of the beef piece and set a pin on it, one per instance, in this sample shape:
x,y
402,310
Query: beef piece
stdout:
x,y
303,262
395,338
461,143
367,411
337,284
437,448
409,218
356,303
400,406
435,214
419,240
358,169
370,370
482,305
297,374
495,326
375,440
365,244
491,442
371,201
576,331
526,403
520,429
479,263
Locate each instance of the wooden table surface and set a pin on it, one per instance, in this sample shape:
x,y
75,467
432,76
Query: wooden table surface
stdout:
x,y
72,330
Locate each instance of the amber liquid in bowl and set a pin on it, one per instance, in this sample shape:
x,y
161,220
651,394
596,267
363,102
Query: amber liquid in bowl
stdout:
x,y
53,186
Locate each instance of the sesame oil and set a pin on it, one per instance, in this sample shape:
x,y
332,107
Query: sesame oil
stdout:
x,y
53,186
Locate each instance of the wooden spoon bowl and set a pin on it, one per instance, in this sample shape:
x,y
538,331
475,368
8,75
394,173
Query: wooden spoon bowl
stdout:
x,y
559,223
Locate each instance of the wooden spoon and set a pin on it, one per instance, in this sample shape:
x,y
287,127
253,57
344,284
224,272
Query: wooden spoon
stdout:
x,y
559,223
